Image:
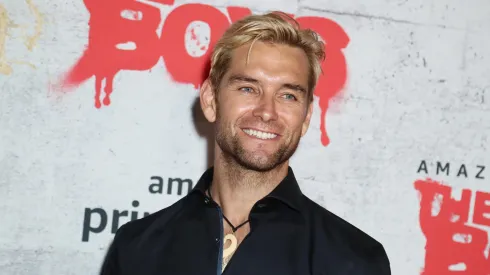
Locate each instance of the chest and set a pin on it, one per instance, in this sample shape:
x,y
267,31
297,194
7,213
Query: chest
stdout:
x,y
200,250
269,248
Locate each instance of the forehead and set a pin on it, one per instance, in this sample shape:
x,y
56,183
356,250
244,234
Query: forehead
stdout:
x,y
270,62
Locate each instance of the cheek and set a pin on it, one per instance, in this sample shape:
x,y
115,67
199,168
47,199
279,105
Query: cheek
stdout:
x,y
231,103
294,120
238,111
230,116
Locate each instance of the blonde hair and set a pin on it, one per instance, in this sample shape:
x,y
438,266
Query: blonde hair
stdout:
x,y
274,27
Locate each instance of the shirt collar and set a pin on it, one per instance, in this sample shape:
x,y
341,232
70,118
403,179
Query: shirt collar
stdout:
x,y
288,190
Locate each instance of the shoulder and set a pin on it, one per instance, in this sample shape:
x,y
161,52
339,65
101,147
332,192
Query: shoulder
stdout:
x,y
350,241
134,237
140,233
152,222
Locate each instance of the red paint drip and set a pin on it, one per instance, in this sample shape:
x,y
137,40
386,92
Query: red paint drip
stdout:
x,y
449,240
108,30
334,67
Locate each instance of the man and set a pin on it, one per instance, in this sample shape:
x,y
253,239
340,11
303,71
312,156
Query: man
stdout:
x,y
247,214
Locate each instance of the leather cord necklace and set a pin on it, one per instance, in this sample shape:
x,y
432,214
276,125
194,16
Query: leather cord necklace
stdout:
x,y
229,237
226,219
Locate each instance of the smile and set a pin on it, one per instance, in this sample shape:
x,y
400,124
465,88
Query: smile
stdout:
x,y
259,134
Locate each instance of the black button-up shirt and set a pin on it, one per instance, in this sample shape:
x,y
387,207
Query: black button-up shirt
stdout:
x,y
289,234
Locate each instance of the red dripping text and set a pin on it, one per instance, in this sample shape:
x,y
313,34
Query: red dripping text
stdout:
x,y
114,24
455,242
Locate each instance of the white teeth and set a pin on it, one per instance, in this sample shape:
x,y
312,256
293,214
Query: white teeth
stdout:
x,y
259,134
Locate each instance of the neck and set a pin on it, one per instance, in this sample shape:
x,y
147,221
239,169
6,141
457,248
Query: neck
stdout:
x,y
236,189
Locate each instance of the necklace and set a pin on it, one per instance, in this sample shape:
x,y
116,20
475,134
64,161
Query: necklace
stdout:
x,y
229,237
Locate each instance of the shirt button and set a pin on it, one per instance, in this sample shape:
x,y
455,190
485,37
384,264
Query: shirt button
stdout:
x,y
261,205
206,200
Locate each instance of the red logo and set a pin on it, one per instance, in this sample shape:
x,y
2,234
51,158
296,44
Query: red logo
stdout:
x,y
456,242
113,23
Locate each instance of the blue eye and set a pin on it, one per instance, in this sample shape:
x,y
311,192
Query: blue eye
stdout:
x,y
246,89
290,97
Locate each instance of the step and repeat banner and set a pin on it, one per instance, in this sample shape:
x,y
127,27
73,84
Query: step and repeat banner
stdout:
x,y
100,124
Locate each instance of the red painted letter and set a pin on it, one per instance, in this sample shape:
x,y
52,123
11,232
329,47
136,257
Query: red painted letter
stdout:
x,y
452,247
481,214
237,13
112,24
182,66
334,67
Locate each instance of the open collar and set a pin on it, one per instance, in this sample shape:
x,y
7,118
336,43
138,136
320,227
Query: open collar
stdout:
x,y
287,191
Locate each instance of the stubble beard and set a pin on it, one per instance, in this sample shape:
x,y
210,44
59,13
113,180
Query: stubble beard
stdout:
x,y
235,154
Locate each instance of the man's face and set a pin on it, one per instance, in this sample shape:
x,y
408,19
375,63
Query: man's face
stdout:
x,y
262,107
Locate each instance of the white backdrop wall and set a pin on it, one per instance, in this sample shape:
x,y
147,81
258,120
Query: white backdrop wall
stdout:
x,y
406,100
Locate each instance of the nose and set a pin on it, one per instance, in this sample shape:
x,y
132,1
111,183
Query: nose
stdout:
x,y
266,108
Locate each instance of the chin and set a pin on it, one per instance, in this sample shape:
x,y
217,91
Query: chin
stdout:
x,y
259,161
258,166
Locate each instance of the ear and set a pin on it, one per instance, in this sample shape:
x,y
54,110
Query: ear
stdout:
x,y
306,122
208,100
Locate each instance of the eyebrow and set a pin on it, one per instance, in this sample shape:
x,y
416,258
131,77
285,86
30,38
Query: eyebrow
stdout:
x,y
294,87
242,78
